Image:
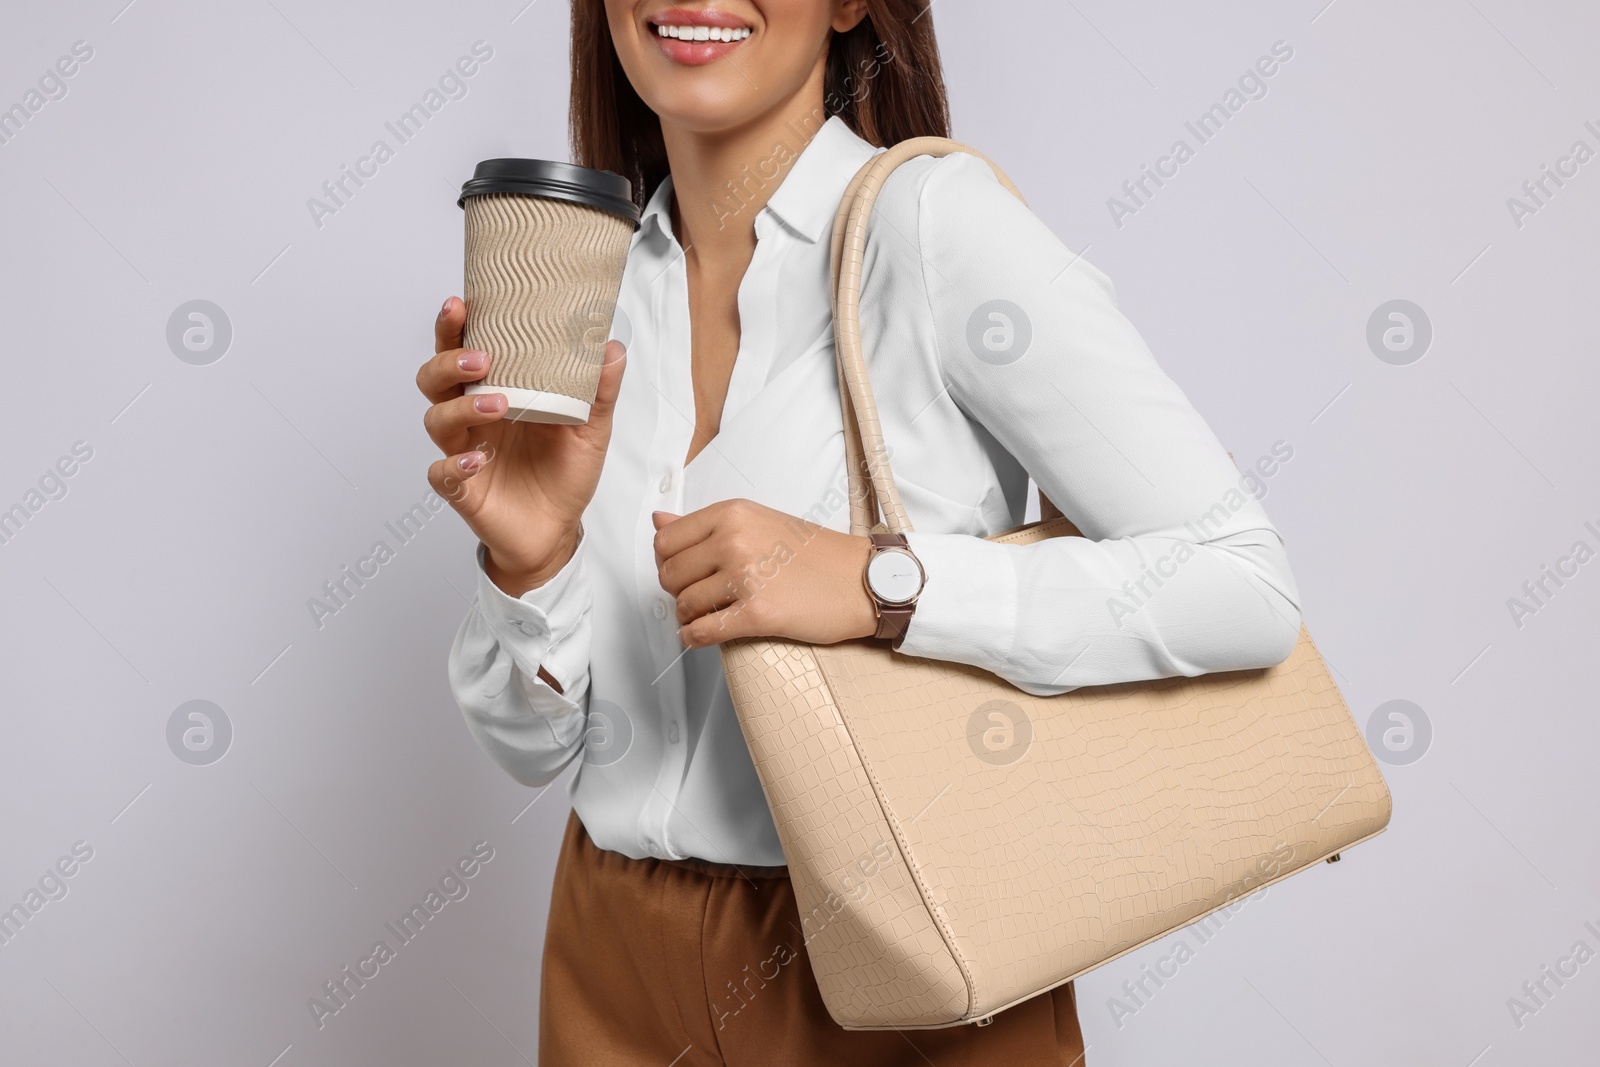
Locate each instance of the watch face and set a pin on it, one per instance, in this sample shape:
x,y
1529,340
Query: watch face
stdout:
x,y
894,576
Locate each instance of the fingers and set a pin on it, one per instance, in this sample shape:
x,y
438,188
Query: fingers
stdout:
x,y
714,592
710,612
735,618
448,326
694,564
674,535
605,396
442,377
447,421
707,577
449,477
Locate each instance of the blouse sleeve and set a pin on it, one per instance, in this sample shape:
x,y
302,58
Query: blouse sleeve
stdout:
x,y
1179,572
528,728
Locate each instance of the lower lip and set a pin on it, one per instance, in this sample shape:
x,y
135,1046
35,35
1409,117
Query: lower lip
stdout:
x,y
696,53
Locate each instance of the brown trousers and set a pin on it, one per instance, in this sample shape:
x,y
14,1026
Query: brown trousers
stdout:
x,y
695,964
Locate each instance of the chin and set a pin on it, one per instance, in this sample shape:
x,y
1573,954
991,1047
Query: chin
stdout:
x,y
720,67
706,106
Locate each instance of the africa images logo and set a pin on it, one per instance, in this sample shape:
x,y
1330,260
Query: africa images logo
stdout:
x,y
339,991
338,191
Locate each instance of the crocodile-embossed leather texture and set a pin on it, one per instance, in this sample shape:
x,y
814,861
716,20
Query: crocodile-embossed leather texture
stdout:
x,y
938,886
886,960
1135,810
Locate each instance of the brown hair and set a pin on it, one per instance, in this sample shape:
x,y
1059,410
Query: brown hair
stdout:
x,y
883,79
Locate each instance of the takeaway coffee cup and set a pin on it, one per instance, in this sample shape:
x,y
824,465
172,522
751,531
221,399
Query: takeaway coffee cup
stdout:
x,y
546,244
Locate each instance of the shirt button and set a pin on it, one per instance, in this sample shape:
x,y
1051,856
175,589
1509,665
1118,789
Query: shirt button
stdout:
x,y
666,482
672,733
660,609
523,626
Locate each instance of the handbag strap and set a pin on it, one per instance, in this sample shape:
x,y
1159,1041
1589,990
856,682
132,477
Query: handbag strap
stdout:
x,y
866,459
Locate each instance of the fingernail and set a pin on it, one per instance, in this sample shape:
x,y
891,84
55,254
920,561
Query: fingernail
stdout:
x,y
471,360
683,638
488,403
471,461
446,309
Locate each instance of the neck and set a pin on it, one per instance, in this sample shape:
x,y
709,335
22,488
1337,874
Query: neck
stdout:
x,y
722,180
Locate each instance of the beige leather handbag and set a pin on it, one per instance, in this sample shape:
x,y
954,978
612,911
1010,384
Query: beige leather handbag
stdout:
x,y
945,872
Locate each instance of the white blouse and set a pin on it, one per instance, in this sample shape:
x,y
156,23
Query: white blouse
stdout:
x,y
995,353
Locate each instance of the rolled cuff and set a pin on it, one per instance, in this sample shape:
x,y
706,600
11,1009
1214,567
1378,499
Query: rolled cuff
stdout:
x,y
538,627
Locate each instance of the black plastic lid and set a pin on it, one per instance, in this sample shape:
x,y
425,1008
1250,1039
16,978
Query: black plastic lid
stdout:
x,y
554,181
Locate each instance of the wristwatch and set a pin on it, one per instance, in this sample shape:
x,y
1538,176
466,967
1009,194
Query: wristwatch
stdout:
x,y
894,579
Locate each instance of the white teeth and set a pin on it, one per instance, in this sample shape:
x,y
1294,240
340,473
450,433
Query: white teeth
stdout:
x,y
704,33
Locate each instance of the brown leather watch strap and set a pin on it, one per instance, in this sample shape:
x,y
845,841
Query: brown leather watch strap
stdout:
x,y
893,619
893,622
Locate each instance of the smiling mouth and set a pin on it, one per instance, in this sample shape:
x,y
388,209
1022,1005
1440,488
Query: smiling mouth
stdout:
x,y
697,36
683,32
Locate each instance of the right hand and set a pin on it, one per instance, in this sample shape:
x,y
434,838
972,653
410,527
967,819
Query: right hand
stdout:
x,y
521,486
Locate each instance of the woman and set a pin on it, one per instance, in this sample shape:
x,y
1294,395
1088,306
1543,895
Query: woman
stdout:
x,y
996,353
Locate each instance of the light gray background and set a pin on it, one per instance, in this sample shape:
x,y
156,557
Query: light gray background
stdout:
x,y
219,898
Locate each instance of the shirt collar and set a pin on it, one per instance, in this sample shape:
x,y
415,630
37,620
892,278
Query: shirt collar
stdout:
x,y
807,199
657,210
